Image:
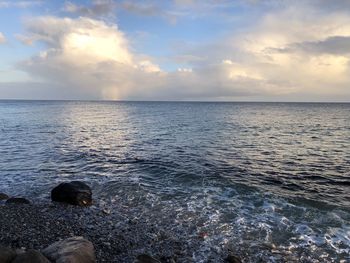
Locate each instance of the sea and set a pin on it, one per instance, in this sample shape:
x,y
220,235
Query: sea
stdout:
x,y
272,180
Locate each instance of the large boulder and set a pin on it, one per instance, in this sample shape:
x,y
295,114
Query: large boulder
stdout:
x,y
32,256
4,196
17,200
6,254
71,250
74,193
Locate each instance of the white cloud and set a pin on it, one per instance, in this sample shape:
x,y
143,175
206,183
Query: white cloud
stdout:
x,y
25,39
86,55
19,4
108,8
93,58
2,38
296,53
311,72
188,70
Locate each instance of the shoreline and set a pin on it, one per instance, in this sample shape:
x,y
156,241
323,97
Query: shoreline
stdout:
x,y
123,227
115,238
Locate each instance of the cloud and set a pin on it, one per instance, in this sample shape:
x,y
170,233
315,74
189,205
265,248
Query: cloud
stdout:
x,y
141,9
336,45
26,40
149,10
94,59
97,8
36,90
2,38
184,2
295,53
315,65
88,55
108,8
19,4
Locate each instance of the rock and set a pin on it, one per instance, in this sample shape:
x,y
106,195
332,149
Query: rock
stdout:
x,y
74,193
17,200
6,254
4,196
146,259
167,260
71,250
32,256
233,259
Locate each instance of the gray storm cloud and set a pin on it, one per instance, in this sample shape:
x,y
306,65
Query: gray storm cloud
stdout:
x,y
337,45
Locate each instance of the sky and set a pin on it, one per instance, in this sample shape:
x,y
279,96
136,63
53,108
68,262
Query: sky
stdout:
x,y
181,50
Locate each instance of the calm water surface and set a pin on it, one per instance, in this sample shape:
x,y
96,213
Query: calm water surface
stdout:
x,y
272,178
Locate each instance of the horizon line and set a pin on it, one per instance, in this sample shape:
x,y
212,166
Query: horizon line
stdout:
x,y
184,101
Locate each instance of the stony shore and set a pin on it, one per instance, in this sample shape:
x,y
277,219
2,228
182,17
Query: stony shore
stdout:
x,y
37,226
114,232
115,238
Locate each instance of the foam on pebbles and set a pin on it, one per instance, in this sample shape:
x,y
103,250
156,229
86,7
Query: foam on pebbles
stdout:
x,y
114,237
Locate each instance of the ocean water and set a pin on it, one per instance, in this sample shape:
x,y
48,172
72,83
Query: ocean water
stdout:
x,y
270,179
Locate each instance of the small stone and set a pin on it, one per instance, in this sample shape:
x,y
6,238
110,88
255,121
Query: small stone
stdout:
x,y
17,200
146,259
6,254
4,196
107,244
32,256
106,211
73,249
203,235
233,259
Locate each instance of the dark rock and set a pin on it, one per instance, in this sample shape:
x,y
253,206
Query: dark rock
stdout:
x,y
146,259
75,193
74,249
6,254
32,256
167,260
4,196
233,259
17,200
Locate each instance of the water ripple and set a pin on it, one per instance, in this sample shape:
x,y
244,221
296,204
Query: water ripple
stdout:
x,y
270,177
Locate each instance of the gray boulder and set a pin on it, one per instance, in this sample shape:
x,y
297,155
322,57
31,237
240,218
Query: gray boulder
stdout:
x,y
6,254
71,250
74,193
32,256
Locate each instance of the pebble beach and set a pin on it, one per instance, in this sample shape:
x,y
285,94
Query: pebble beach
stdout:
x,y
116,236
